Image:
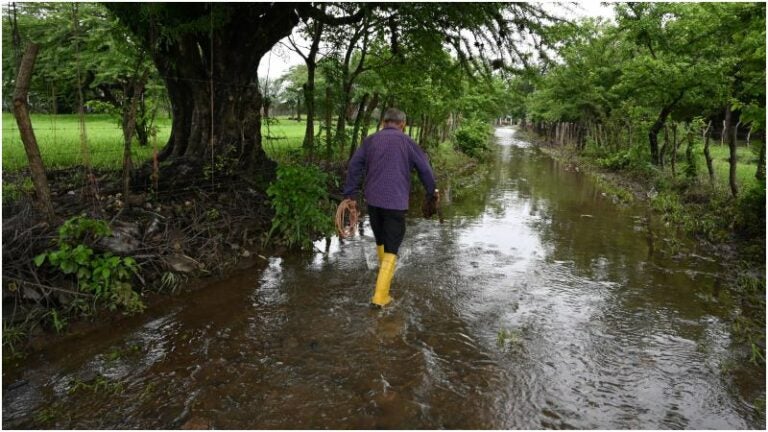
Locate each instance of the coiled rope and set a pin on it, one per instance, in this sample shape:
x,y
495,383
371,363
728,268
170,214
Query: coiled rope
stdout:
x,y
346,212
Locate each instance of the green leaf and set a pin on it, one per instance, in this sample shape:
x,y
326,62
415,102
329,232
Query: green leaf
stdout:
x,y
68,267
40,259
83,273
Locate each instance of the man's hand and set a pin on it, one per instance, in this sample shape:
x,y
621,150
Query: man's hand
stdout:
x,y
429,208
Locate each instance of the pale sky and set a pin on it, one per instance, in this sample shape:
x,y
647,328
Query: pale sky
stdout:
x,y
280,58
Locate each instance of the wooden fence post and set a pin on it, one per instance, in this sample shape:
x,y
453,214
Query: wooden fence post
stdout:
x,y
21,112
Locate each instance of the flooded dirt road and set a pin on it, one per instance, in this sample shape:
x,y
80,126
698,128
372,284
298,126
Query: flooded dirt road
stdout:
x,y
539,303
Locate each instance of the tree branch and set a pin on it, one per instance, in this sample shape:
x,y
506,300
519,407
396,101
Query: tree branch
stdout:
x,y
306,10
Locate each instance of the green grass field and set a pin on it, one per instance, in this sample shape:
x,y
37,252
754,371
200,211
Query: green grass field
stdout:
x,y
745,169
58,137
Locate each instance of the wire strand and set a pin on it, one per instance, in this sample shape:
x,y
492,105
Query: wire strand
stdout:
x,y
346,212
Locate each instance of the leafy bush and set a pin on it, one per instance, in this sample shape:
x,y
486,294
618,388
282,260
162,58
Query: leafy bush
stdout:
x,y
635,158
302,208
615,162
750,217
104,275
472,138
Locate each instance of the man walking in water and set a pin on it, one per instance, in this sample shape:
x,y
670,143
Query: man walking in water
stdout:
x,y
387,158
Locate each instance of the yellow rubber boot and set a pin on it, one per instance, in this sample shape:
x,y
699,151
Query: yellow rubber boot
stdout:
x,y
380,252
386,271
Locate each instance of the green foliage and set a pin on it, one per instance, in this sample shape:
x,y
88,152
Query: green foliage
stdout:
x,y
46,415
302,207
710,221
171,281
104,275
472,138
59,323
749,324
759,405
633,159
615,162
13,337
99,384
509,338
14,190
83,229
750,215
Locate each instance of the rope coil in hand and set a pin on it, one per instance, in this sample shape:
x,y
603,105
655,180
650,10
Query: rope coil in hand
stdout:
x,y
347,211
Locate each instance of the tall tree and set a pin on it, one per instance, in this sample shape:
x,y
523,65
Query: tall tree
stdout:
x,y
208,54
314,30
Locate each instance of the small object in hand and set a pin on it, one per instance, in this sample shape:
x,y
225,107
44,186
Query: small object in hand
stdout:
x,y
429,208
346,218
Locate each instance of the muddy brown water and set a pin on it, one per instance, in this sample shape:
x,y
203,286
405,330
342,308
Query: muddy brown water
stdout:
x,y
539,303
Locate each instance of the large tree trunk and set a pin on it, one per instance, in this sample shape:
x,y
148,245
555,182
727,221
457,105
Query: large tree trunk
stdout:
x,y
21,112
730,136
210,72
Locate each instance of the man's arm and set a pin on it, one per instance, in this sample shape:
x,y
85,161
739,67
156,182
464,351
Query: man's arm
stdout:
x,y
355,173
420,162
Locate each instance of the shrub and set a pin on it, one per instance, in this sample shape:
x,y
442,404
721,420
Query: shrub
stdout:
x,y
750,216
104,275
634,159
302,207
615,162
472,138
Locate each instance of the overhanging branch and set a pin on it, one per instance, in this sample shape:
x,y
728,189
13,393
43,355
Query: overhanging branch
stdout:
x,y
306,10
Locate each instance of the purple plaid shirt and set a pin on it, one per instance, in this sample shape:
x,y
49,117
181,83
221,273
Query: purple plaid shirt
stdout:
x,y
387,157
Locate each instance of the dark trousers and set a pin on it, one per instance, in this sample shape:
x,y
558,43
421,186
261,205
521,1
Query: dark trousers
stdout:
x,y
388,227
